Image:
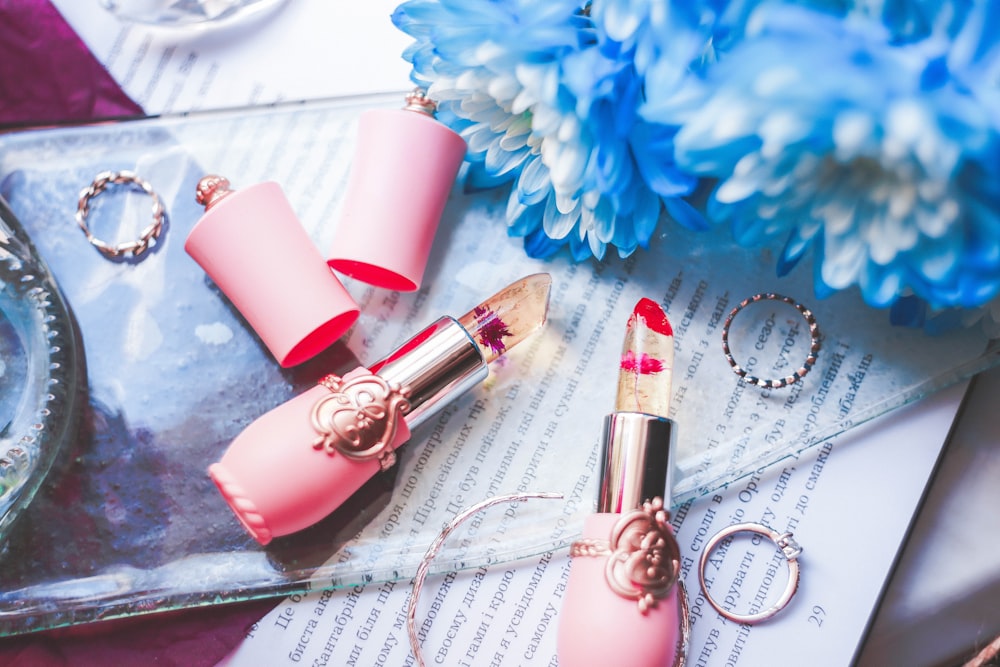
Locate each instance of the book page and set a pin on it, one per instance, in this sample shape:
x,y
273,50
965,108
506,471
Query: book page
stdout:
x,y
849,505
303,49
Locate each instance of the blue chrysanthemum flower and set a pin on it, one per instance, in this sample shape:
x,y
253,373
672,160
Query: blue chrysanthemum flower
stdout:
x,y
912,20
905,20
545,98
878,157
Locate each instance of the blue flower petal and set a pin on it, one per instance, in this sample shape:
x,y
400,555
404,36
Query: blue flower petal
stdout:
x,y
579,248
557,224
533,183
644,220
540,246
522,220
685,214
478,178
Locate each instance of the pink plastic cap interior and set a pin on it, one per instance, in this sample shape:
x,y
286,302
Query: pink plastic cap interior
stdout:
x,y
252,246
404,168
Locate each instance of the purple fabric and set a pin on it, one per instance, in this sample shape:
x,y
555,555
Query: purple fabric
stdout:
x,y
188,638
47,74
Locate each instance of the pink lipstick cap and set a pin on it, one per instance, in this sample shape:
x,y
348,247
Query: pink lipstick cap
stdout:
x,y
598,626
277,481
404,167
253,247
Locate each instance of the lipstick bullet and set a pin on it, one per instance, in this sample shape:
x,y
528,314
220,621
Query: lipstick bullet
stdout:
x,y
300,461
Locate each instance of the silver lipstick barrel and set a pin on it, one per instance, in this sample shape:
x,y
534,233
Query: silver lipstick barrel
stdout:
x,y
637,461
438,364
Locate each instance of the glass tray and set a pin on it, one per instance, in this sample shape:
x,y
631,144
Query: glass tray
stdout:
x,y
132,524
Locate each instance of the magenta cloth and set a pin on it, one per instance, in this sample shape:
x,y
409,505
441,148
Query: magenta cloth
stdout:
x,y
189,638
47,73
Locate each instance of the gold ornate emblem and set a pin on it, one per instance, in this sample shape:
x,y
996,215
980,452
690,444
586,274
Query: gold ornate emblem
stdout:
x,y
643,556
359,417
645,559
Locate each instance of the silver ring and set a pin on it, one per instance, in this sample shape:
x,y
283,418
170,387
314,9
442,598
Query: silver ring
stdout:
x,y
814,342
146,237
788,546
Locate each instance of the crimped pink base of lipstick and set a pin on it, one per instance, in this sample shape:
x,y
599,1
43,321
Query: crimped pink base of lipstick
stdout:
x,y
599,627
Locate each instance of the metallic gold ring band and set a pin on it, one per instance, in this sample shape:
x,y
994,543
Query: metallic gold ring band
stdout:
x,y
435,548
789,548
146,237
814,342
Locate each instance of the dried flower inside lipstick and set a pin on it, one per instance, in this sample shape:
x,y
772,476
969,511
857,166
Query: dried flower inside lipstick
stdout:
x,y
492,330
647,362
509,316
643,364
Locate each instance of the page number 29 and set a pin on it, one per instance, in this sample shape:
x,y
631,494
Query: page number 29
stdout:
x,y
817,616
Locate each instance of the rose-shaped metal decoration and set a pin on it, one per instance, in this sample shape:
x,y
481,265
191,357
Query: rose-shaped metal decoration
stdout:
x,y
359,417
645,558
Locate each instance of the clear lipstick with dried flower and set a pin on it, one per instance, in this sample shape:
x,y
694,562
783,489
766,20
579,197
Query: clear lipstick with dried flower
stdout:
x,y
624,604
300,461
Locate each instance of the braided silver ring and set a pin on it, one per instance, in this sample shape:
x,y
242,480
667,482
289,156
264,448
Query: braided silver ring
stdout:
x,y
814,342
146,237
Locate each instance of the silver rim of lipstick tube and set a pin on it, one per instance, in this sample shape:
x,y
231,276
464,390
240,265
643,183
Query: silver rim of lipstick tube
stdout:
x,y
638,461
445,363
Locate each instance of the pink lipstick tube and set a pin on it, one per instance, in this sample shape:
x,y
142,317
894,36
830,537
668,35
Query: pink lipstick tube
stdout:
x,y
302,460
622,604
